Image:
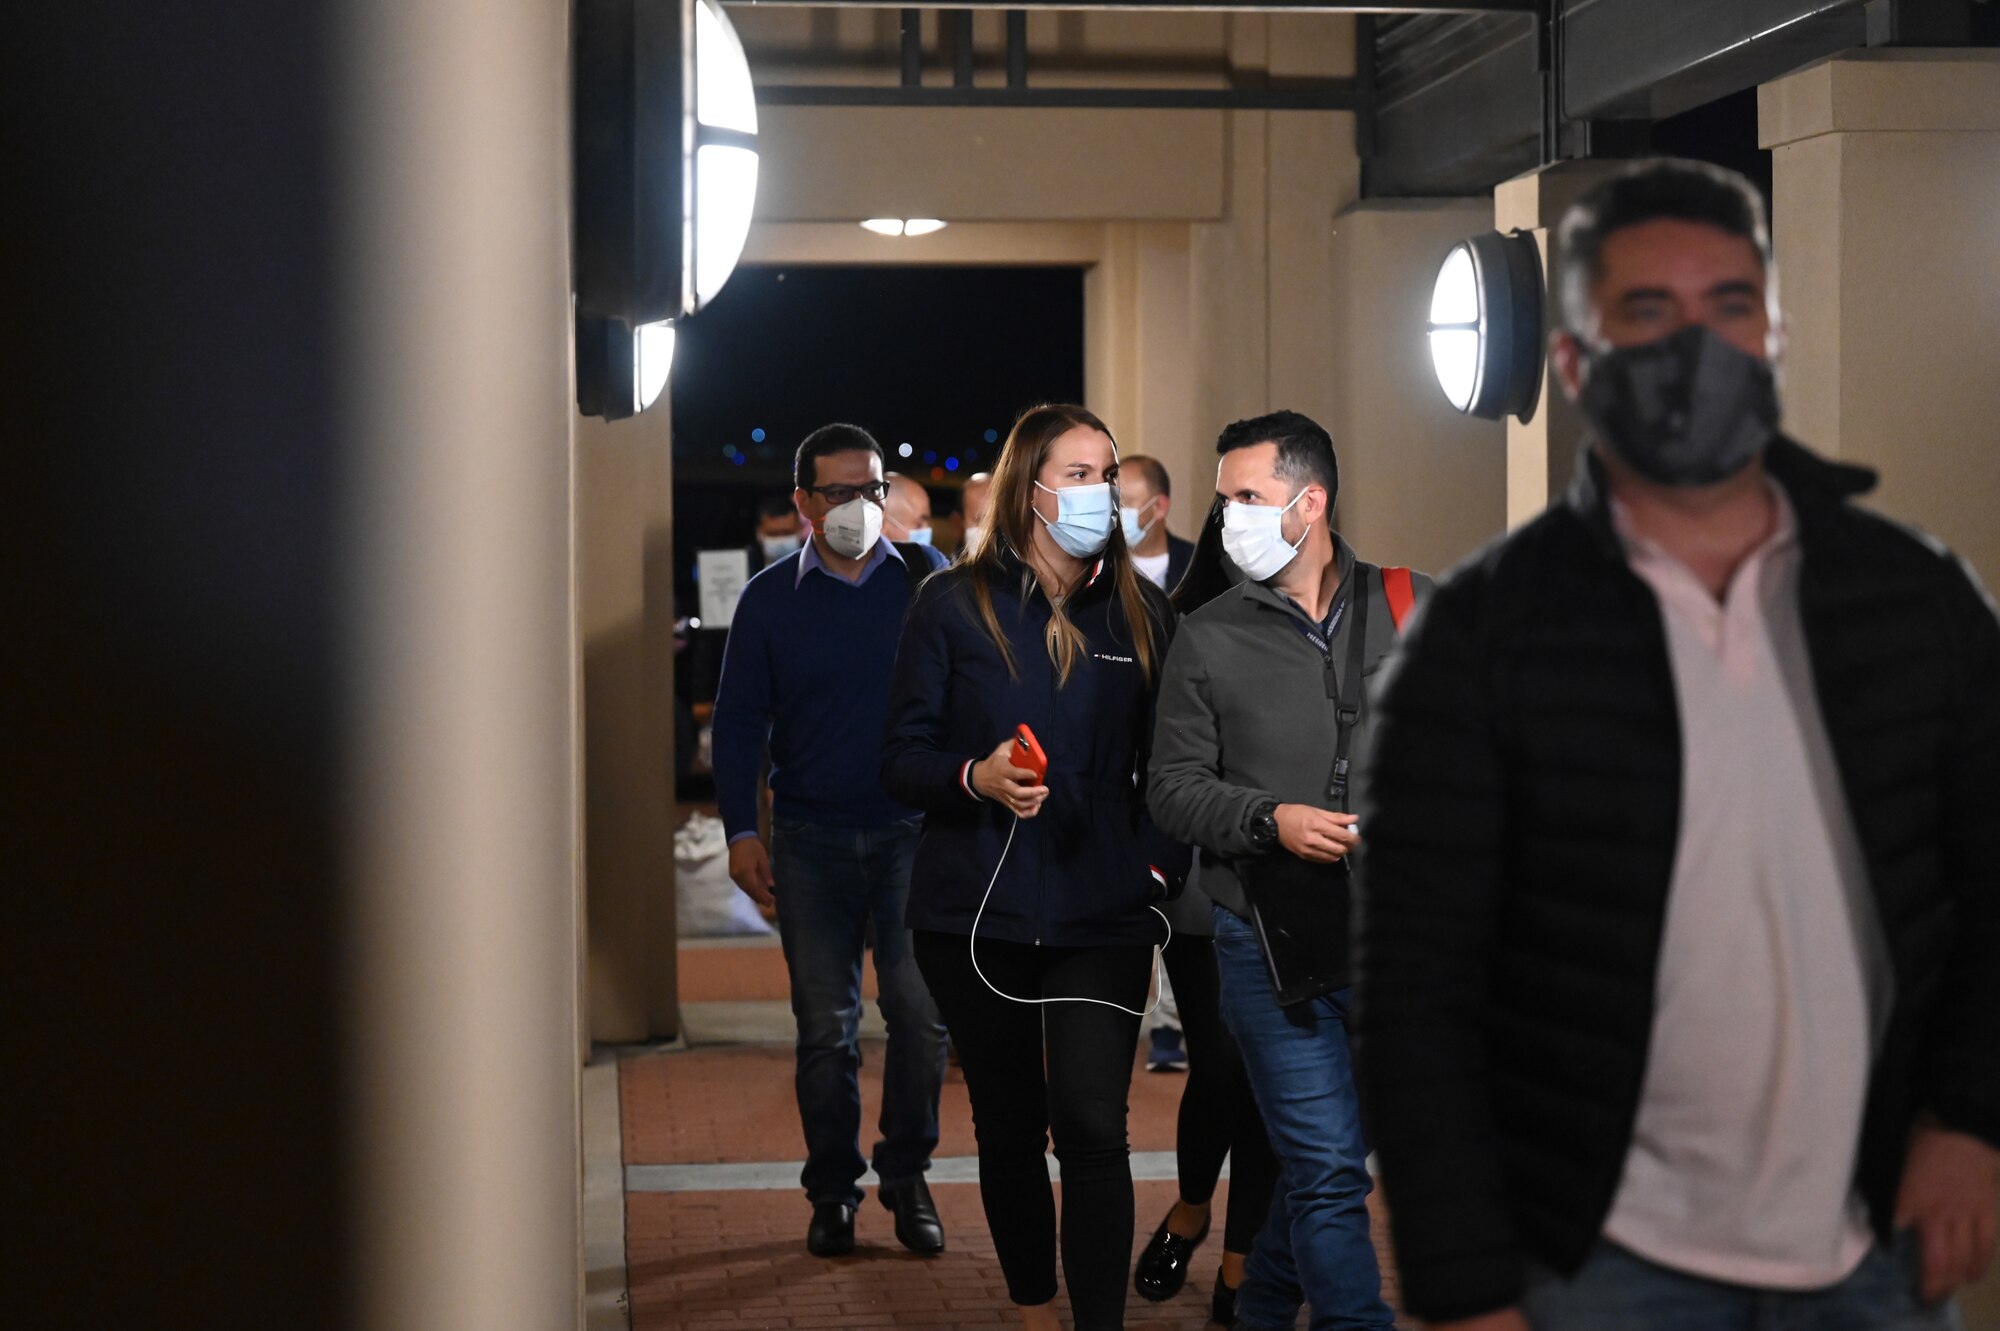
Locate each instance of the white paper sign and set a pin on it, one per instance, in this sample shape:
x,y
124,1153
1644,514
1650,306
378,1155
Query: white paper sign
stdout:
x,y
721,575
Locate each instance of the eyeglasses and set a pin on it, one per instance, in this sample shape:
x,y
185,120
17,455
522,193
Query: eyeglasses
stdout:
x,y
836,495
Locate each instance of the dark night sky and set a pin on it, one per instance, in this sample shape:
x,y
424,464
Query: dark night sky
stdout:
x,y
935,357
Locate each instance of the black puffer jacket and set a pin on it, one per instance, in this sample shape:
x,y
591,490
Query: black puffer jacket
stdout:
x,y
1522,814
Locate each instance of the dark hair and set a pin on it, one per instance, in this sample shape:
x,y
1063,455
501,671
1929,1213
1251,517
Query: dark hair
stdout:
x,y
1305,449
775,506
825,442
1209,571
1152,469
1664,188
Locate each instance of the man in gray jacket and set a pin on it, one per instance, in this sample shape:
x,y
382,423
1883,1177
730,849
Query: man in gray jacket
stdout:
x,y
1260,729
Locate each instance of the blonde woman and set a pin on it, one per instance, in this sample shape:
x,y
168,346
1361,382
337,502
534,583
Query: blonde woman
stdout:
x,y
1031,899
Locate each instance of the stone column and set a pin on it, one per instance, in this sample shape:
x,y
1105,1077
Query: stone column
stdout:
x,y
625,607
461,1058
1886,194
1541,451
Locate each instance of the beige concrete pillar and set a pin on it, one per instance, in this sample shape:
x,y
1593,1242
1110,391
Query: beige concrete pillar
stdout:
x,y
1263,322
1422,484
1886,190
454,310
1312,173
1541,451
626,614
1886,187
1138,359
1229,298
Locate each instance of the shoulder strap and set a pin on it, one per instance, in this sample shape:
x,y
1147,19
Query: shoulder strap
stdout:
x,y
1402,594
916,563
1348,697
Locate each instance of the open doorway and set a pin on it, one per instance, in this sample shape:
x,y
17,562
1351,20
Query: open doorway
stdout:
x,y
935,362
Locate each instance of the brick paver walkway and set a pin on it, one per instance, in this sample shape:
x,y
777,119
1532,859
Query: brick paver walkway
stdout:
x,y
736,1260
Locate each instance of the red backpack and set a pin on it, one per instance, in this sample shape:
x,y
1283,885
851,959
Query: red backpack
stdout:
x,y
1401,592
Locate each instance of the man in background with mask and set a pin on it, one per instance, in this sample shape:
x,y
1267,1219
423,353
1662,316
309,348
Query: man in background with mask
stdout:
x,y
1145,494
906,513
807,669
1679,1003
1261,720
779,531
974,500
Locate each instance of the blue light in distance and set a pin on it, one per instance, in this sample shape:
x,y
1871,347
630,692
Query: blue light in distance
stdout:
x,y
930,456
951,464
992,436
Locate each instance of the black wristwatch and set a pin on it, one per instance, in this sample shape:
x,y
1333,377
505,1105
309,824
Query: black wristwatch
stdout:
x,y
1264,826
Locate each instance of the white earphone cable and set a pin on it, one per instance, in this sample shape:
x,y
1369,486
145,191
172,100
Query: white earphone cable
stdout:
x,y
972,947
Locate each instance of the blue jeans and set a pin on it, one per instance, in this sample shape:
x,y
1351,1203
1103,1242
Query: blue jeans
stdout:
x,y
1618,1291
1315,1247
831,882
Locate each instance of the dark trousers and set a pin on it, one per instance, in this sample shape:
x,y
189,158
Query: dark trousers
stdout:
x,y
1063,1070
832,883
1218,1115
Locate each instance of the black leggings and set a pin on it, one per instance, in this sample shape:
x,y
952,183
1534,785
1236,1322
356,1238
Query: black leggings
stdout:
x,y
1218,1113
1087,1051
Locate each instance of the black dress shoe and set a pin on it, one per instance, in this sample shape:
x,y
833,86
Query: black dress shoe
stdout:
x,y
917,1225
1222,1303
831,1233
1163,1266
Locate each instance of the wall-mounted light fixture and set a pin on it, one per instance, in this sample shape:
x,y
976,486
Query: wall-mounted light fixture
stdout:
x,y
1485,327
898,226
665,164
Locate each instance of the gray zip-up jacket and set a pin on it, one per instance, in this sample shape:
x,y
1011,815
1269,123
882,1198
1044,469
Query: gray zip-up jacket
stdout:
x,y
1243,717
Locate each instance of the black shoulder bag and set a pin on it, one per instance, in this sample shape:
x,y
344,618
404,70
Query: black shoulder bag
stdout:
x,y
1299,908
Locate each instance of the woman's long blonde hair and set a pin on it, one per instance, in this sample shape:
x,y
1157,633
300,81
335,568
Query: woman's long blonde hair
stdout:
x,y
1010,525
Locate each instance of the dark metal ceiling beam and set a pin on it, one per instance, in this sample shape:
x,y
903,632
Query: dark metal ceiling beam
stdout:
x,y
1330,95
1471,114
1210,6
1635,59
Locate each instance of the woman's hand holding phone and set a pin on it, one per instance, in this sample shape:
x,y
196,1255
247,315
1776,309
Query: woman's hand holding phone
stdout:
x,y
997,778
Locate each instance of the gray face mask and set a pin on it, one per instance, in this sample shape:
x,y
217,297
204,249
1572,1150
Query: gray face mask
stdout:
x,y
1689,409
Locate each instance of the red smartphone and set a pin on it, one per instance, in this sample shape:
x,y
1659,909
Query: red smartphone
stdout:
x,y
1028,754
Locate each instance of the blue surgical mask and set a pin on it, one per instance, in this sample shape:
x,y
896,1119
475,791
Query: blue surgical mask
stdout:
x,y
1135,532
1085,515
920,535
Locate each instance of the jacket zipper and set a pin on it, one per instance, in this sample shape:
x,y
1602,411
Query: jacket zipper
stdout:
x,y
1042,899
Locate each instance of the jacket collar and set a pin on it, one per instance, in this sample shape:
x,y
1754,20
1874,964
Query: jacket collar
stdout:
x,y
1258,593
1096,579
1816,486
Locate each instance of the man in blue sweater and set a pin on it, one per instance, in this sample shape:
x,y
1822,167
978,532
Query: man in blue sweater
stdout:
x,y
806,671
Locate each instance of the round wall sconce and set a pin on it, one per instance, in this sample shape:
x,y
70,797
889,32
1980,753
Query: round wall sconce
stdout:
x,y
1485,328
665,162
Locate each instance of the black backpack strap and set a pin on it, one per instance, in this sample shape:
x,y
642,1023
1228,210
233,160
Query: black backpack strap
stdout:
x,y
1349,695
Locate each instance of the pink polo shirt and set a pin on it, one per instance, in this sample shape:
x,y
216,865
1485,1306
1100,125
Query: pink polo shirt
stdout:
x,y
1772,973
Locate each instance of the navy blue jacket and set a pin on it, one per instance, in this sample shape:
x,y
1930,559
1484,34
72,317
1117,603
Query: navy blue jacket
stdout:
x,y
1082,872
1179,552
